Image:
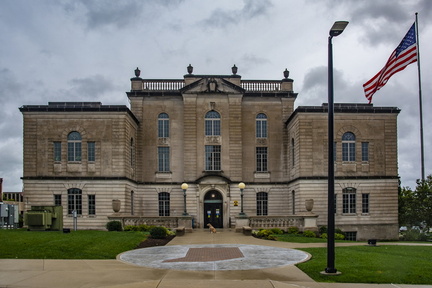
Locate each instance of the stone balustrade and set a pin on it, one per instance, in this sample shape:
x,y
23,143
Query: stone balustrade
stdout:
x,y
168,222
177,84
303,222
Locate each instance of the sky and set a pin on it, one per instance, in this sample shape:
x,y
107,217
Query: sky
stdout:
x,y
84,50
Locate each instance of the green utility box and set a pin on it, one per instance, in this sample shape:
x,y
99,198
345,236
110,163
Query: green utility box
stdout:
x,y
41,218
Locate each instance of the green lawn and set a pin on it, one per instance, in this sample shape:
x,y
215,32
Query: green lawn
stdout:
x,y
368,264
22,244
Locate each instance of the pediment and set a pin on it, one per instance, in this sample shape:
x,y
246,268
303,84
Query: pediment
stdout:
x,y
212,85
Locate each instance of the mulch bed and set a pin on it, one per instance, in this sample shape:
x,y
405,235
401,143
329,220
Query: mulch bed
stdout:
x,y
151,242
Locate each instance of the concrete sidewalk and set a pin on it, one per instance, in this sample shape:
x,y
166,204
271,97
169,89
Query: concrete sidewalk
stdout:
x,y
115,273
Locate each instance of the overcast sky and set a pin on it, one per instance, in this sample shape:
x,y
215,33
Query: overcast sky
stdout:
x,y
83,50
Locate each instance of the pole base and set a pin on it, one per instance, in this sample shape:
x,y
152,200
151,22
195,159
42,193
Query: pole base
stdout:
x,y
330,272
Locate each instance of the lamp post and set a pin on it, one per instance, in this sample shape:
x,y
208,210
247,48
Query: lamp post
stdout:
x,y
241,185
184,187
337,29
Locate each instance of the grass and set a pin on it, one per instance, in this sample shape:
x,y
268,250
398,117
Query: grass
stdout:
x,y
22,244
368,264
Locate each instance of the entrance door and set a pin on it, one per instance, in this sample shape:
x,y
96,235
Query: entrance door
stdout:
x,y
213,212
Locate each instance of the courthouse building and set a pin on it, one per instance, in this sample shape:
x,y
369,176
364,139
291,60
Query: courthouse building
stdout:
x,y
213,132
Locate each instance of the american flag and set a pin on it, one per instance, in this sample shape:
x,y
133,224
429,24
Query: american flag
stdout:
x,y
402,56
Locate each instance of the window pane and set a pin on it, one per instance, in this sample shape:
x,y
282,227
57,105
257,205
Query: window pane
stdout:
x,y
212,124
164,204
349,201
163,125
91,151
74,201
163,159
57,151
365,203
74,146
92,204
348,147
261,126
262,203
261,159
365,151
213,158
57,200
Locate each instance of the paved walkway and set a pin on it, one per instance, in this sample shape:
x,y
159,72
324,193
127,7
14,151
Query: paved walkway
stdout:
x,y
117,273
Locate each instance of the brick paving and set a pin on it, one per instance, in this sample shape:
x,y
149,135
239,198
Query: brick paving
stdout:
x,y
209,254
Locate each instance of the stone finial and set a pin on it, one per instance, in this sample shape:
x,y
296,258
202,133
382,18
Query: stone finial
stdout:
x,y
286,73
190,69
234,69
137,72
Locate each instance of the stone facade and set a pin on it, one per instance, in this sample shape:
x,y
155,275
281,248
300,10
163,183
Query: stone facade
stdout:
x,y
210,141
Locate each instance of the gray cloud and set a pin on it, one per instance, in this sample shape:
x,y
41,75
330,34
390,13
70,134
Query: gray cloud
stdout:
x,y
221,18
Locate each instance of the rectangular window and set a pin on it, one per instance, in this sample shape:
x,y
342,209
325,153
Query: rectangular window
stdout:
x,y
163,128
212,158
262,204
348,151
351,236
335,203
365,151
349,203
74,201
164,204
57,151
74,151
91,151
334,151
163,159
91,204
261,159
365,203
57,200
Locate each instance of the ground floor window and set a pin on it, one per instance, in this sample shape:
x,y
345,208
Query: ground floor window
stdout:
x,y
365,203
74,201
262,203
57,200
351,236
349,201
164,204
91,204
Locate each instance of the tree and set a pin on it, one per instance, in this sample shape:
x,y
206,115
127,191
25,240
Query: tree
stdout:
x,y
415,207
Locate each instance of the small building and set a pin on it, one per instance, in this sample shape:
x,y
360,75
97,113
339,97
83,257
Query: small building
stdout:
x,y
213,132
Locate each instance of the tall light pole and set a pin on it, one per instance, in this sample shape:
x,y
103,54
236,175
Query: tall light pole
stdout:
x,y
241,186
337,29
184,187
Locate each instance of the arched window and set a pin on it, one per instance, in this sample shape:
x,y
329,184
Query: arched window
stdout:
x,y
348,147
349,200
164,204
163,125
74,201
74,146
261,126
212,123
262,203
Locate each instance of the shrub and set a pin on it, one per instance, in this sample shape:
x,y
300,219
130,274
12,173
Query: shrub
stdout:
x,y
131,228
263,233
158,232
414,235
323,235
276,231
308,233
339,236
114,226
293,230
323,230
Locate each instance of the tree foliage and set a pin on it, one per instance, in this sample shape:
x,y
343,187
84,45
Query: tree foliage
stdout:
x,y
415,207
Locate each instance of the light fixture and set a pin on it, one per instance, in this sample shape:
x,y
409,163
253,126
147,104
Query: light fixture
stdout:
x,y
184,187
241,186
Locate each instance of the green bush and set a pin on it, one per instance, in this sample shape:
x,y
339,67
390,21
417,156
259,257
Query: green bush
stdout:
x,y
293,230
159,232
263,233
276,231
308,233
339,236
414,235
322,230
114,226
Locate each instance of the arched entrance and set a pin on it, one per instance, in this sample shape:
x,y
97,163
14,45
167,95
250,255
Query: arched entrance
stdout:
x,y
213,209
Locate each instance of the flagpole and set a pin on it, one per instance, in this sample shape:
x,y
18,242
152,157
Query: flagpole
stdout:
x,y
420,100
